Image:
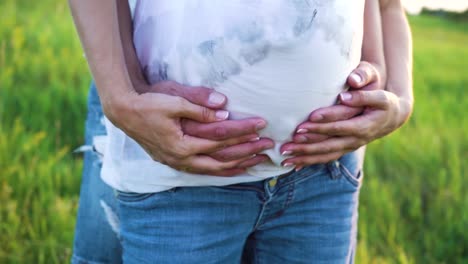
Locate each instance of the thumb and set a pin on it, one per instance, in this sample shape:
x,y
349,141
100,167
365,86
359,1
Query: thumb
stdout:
x,y
187,109
362,98
363,75
204,96
195,94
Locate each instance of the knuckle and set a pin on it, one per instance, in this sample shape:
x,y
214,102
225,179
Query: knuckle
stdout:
x,y
182,102
365,132
327,148
173,89
206,113
220,132
180,152
360,96
336,127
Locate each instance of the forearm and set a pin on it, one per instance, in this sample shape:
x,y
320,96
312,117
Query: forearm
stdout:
x,y
398,51
126,33
372,48
97,26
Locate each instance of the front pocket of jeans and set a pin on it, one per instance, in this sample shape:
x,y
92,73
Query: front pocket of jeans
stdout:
x,y
132,197
350,177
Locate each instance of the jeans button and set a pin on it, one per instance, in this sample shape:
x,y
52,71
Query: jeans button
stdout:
x,y
273,182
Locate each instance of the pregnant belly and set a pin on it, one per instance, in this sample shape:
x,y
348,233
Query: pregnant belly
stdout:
x,y
283,84
285,88
282,81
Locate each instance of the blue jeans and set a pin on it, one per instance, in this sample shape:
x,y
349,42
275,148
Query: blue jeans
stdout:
x,y
96,231
308,216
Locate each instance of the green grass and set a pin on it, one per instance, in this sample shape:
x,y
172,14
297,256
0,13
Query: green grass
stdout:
x,y
414,203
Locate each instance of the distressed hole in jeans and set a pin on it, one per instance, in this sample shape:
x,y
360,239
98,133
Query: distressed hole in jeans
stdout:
x,y
111,217
98,147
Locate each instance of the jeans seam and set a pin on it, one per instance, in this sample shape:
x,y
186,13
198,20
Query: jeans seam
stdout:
x,y
260,216
301,177
290,196
349,177
238,188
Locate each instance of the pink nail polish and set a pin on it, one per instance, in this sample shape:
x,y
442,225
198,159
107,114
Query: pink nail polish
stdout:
x,y
356,77
286,153
216,98
222,115
302,131
346,96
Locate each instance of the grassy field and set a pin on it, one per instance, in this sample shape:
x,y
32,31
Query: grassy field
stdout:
x,y
414,206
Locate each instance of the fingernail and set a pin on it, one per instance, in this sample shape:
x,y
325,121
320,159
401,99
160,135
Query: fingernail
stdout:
x,y
260,125
302,131
255,139
222,115
316,118
288,165
286,153
346,96
301,139
216,98
299,168
356,77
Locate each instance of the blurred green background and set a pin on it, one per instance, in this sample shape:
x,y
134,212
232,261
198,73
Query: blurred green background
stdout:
x,y
414,202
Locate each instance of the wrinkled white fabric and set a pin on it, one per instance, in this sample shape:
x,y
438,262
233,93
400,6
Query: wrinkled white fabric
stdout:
x,y
276,59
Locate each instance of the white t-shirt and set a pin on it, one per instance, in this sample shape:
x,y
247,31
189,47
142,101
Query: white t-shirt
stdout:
x,y
275,59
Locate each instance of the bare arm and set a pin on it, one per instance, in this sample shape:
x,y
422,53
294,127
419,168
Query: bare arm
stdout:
x,y
222,130
372,45
398,53
152,119
337,133
96,22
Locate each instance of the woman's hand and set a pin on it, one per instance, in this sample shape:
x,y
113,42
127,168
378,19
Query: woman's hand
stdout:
x,y
158,121
362,116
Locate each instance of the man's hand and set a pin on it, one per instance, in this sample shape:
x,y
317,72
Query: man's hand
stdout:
x,y
221,130
160,121
361,117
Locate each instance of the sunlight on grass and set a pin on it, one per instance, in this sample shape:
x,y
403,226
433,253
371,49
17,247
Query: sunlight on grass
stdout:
x,y
414,199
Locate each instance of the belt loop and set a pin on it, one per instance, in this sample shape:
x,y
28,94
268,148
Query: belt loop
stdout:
x,y
334,169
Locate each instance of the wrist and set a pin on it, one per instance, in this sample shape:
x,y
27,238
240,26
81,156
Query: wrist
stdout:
x,y
118,106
